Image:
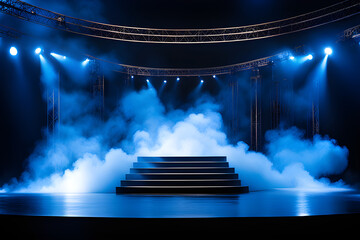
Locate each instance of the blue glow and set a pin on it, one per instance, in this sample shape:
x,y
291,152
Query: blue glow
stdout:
x,y
328,51
309,57
58,56
147,80
13,51
85,62
214,76
38,51
292,58
165,81
132,76
201,81
177,79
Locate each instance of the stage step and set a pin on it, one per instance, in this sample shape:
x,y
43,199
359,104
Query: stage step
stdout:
x,y
181,159
182,175
181,164
182,182
183,170
184,190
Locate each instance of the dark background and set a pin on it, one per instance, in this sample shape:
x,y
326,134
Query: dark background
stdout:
x,y
23,110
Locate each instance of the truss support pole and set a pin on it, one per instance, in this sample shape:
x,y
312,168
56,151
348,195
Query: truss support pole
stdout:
x,y
255,110
53,108
97,88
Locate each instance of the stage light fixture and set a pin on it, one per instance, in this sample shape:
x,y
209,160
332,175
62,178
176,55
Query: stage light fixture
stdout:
x,y
58,56
132,76
201,81
13,51
292,58
165,81
309,57
177,79
328,51
147,80
38,51
85,62
214,76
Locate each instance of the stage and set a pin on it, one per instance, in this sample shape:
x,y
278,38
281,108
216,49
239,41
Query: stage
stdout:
x,y
276,212
270,203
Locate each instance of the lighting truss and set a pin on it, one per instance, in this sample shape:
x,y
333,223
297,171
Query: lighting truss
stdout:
x,y
302,22
178,72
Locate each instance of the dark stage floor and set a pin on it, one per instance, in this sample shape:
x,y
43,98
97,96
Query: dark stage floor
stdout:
x,y
271,203
95,215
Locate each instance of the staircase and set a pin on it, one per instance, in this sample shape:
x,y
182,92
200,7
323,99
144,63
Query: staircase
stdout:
x,y
181,175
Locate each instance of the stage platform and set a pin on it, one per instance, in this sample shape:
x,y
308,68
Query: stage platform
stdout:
x,y
108,213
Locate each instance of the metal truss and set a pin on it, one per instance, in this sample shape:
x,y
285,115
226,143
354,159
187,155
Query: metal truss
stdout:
x,y
188,72
353,32
302,22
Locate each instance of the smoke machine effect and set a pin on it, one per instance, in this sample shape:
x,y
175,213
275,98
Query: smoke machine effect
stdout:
x,y
88,155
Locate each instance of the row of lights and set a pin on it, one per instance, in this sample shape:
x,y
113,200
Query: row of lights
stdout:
x,y
327,51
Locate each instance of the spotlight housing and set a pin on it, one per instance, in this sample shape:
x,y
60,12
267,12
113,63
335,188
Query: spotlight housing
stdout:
x,y
328,51
13,51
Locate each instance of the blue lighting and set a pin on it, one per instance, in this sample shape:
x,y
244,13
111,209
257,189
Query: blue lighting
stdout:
x,y
328,51
58,56
292,58
309,57
132,76
165,81
201,81
38,51
85,62
13,51
147,80
177,79
214,76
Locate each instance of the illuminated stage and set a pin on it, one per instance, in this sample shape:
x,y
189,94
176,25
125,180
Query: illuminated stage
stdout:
x,y
44,215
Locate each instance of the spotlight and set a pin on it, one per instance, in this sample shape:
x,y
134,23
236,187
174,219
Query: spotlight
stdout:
x,y
201,81
132,76
292,58
147,80
13,51
38,51
309,57
85,62
177,79
328,51
165,81
214,76
58,56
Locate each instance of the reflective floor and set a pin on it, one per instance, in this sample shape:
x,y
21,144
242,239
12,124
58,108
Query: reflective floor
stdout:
x,y
285,202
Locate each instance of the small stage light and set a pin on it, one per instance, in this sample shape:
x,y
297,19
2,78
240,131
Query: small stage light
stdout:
x,y
85,62
58,56
309,57
328,51
165,81
202,81
132,76
214,76
292,58
147,80
177,79
13,51
38,51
